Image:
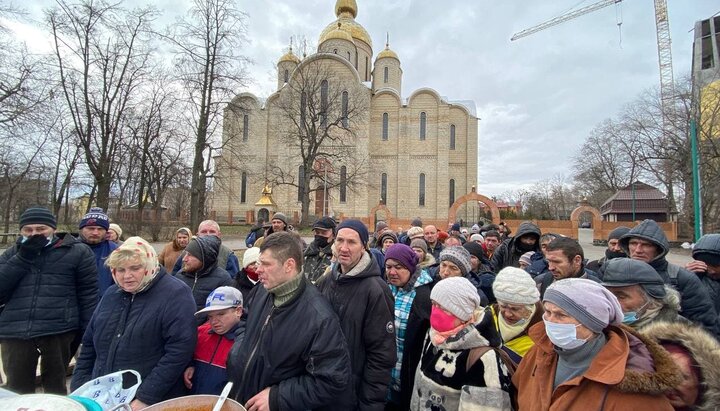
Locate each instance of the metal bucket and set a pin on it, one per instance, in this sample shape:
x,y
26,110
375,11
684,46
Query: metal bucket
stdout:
x,y
195,403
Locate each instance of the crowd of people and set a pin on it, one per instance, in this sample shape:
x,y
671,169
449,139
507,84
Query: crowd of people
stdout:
x,y
418,319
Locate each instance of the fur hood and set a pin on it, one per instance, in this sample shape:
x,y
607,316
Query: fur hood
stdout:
x,y
638,379
428,261
704,349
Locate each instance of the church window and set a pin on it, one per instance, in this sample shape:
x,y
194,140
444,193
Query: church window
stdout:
x,y
323,102
243,188
301,183
349,58
356,60
452,137
383,188
452,191
286,76
345,103
246,127
423,125
385,74
367,68
343,184
386,120
421,190
335,51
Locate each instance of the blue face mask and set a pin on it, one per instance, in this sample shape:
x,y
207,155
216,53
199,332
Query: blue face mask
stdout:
x,y
563,335
631,316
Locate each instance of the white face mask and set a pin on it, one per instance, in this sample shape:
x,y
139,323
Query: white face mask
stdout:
x,y
563,335
25,238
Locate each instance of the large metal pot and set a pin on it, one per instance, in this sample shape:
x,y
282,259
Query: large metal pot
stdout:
x,y
195,403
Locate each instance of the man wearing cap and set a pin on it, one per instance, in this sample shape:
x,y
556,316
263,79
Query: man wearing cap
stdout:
x,y
293,355
583,359
509,252
200,270
566,259
364,304
642,294
706,264
613,250
208,374
93,229
49,290
647,242
319,252
431,237
225,258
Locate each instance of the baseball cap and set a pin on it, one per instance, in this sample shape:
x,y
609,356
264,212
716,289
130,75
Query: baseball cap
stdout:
x,y
222,298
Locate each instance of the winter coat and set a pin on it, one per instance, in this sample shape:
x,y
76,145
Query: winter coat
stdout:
x,y
544,281
243,283
404,304
169,255
297,350
695,301
316,261
210,360
519,345
443,381
152,332
704,349
709,244
55,293
225,258
102,251
364,305
428,261
538,265
508,253
435,251
630,372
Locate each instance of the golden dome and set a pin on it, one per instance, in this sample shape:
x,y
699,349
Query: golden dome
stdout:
x,y
346,6
387,53
289,56
346,11
339,33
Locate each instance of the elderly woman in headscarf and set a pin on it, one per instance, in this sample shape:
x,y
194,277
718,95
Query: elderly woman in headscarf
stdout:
x,y
518,308
461,365
145,322
171,251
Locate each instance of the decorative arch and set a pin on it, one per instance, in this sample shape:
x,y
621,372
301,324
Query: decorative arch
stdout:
x,y
596,221
374,210
473,196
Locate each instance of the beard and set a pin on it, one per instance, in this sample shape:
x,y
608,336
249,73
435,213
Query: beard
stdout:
x,y
614,254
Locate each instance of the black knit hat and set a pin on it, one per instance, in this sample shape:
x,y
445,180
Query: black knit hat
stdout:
x,y
38,215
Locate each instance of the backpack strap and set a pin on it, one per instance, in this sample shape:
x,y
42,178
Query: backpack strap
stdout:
x,y
478,352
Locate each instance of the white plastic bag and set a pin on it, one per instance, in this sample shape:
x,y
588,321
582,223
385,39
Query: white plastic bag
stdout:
x,y
108,390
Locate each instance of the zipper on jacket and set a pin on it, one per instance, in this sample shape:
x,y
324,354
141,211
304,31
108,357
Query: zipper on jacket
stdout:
x,y
257,343
212,357
195,282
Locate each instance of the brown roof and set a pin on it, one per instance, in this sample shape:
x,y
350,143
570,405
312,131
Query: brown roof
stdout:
x,y
648,199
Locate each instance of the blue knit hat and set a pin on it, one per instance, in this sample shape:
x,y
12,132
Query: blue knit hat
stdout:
x,y
358,227
95,217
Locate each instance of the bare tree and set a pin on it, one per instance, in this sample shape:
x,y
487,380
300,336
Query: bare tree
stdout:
x,y
320,115
207,44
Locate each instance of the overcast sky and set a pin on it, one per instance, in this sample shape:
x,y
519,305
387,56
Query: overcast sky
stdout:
x,y
537,98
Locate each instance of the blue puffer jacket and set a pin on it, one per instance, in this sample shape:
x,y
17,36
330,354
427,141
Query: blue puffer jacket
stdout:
x,y
152,332
102,251
695,301
53,294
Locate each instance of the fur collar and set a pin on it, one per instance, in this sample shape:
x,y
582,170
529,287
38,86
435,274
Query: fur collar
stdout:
x,y
704,349
666,373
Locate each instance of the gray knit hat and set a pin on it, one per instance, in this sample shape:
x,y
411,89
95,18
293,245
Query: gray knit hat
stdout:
x,y
459,256
593,305
38,215
456,295
419,243
280,216
515,286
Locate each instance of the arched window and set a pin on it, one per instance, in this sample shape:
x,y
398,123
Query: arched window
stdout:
x,y
335,51
421,190
343,184
301,183
385,125
423,125
452,191
323,102
356,59
383,188
349,58
286,76
246,127
386,71
345,103
243,188
367,68
452,137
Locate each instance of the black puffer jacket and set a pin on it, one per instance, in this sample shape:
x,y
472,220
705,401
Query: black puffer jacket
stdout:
x,y
297,350
54,294
152,332
209,277
508,253
709,244
316,261
365,307
695,301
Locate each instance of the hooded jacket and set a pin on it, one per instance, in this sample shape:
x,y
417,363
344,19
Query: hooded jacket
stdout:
x,y
209,277
631,372
55,293
703,348
695,301
364,304
172,250
152,332
709,244
316,261
508,253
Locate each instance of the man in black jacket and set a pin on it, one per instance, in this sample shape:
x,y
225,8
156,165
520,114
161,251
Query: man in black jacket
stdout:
x,y
49,289
365,306
319,252
293,355
509,252
566,259
647,242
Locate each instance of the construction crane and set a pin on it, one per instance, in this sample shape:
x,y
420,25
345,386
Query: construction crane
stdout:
x,y
662,26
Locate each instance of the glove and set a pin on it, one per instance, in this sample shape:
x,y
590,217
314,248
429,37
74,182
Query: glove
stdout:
x,y
32,247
